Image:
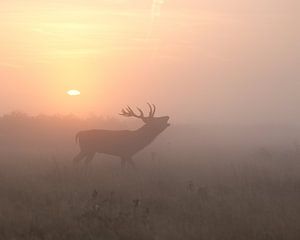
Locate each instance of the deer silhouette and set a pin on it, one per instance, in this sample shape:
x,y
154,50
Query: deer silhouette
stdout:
x,y
122,143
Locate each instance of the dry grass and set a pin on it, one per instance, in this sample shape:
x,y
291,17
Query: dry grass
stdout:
x,y
168,197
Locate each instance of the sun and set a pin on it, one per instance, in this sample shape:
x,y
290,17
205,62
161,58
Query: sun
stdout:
x,y
73,92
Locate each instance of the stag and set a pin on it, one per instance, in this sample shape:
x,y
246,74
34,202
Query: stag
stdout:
x,y
121,143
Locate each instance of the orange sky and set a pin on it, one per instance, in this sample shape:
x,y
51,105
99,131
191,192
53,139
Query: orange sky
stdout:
x,y
203,61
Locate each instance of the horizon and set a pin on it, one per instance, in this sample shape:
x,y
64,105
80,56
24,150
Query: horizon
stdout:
x,y
136,122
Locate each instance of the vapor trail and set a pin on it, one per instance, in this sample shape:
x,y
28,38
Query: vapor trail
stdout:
x,y
155,13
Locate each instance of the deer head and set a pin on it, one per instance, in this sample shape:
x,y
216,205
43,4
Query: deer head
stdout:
x,y
157,123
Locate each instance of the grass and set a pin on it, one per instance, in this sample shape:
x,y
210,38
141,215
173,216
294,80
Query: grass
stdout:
x,y
180,196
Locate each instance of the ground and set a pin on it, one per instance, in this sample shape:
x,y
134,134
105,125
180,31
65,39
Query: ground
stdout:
x,y
169,196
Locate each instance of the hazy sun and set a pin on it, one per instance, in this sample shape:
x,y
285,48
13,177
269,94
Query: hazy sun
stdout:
x,y
73,92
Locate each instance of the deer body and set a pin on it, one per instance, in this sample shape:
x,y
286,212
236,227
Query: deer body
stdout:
x,y
123,143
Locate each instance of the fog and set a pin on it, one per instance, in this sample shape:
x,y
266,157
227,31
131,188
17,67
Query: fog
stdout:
x,y
216,157
216,181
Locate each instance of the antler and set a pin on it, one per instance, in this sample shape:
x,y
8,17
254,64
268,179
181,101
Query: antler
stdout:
x,y
152,110
128,112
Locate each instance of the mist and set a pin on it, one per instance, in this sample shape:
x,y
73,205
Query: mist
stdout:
x,y
149,120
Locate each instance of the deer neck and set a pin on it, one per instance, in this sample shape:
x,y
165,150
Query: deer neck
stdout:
x,y
147,133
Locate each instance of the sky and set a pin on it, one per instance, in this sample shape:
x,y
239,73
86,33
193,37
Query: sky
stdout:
x,y
218,62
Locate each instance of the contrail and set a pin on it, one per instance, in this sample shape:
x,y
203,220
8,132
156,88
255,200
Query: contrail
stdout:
x,y
155,13
156,8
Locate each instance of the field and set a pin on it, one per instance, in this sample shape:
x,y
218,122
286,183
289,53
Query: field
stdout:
x,y
204,183
169,196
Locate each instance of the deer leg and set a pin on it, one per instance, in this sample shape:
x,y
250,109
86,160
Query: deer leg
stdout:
x,y
132,164
123,163
127,160
87,168
89,158
79,157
